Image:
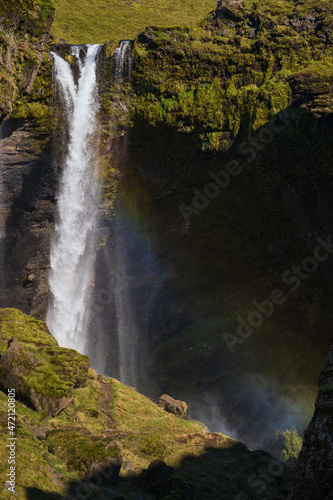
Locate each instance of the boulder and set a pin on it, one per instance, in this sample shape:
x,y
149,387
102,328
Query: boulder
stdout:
x,y
153,478
95,457
160,479
174,406
227,9
42,373
106,472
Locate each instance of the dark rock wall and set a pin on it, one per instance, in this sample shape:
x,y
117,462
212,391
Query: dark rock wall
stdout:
x,y
26,177
232,252
27,205
314,477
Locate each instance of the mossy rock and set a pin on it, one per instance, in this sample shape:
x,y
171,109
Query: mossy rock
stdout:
x,y
24,33
41,372
27,329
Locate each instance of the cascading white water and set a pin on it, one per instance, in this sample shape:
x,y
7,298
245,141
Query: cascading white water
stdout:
x,y
126,324
123,56
73,244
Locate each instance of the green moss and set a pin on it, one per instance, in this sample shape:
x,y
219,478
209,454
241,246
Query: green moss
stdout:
x,y
27,25
67,364
32,110
79,448
37,105
35,468
153,446
13,323
292,443
205,84
43,366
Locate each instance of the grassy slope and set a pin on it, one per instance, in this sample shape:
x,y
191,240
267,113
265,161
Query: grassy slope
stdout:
x,y
83,21
108,419
142,431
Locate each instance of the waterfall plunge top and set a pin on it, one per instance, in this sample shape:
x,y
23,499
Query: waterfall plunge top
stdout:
x,y
64,74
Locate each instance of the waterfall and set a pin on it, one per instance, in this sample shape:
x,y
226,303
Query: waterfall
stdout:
x,y
123,57
126,323
115,347
73,244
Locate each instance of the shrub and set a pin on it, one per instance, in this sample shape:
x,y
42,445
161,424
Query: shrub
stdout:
x,y
292,443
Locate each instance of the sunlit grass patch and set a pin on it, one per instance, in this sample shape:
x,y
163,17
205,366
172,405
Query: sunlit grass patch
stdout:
x,y
82,21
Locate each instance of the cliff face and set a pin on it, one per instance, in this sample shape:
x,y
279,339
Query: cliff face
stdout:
x,y
247,87
28,184
207,99
245,63
232,251
27,180
314,479
24,33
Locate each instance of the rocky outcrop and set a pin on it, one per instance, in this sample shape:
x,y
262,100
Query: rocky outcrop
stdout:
x,y
24,33
27,178
107,470
41,373
160,479
227,9
313,92
177,408
314,478
15,365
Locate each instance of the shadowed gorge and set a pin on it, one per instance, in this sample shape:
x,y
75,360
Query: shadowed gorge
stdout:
x,y
166,207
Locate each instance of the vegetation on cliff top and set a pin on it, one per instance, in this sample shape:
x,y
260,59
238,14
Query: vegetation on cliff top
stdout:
x,y
24,32
237,70
82,21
